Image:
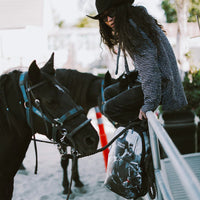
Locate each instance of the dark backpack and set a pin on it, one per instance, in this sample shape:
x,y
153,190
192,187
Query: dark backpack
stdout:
x,y
130,171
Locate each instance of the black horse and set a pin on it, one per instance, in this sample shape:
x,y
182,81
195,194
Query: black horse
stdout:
x,y
35,102
86,90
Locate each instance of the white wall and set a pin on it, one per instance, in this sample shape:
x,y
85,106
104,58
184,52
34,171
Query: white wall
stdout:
x,y
20,13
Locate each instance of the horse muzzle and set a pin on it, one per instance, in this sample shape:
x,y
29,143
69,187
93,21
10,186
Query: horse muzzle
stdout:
x,y
84,139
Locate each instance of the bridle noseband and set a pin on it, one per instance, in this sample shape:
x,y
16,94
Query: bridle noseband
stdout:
x,y
56,123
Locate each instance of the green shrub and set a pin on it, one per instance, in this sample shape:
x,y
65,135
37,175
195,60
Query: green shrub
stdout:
x,y
191,86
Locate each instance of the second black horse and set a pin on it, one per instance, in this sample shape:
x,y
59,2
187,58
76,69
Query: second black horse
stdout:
x,y
87,90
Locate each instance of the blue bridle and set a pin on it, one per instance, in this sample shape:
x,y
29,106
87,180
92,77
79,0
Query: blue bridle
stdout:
x,y
56,123
102,96
26,100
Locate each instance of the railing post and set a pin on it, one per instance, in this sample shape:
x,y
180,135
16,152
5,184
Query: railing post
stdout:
x,y
155,149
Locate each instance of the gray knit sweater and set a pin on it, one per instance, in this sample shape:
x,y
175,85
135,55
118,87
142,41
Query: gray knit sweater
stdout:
x,y
160,78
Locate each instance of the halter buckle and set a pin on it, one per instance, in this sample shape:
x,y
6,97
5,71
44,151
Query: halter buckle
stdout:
x,y
64,133
62,139
57,123
26,104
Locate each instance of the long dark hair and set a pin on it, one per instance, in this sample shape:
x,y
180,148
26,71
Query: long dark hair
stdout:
x,y
128,37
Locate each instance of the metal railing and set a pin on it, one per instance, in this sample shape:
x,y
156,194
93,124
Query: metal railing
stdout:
x,y
186,175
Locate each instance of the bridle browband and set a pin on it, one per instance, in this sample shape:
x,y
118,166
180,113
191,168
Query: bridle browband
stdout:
x,y
56,123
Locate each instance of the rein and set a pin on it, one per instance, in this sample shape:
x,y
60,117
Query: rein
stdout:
x,y
112,140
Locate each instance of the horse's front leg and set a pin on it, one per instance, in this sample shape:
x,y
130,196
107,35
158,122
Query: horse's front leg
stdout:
x,y
22,167
65,182
75,174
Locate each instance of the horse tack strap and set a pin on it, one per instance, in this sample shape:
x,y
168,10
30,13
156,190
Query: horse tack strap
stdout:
x,y
102,95
37,112
79,127
26,100
22,87
71,114
102,92
67,116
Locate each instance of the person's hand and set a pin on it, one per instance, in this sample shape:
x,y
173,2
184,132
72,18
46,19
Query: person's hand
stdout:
x,y
142,115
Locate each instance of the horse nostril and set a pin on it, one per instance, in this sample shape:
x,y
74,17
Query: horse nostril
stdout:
x,y
89,141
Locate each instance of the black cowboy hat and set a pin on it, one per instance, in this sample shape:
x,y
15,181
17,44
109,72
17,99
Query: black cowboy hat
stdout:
x,y
103,5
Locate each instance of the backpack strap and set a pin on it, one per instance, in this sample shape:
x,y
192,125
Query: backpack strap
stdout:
x,y
118,55
125,63
146,164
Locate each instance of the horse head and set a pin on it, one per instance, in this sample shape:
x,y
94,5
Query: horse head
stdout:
x,y
55,112
123,80
122,83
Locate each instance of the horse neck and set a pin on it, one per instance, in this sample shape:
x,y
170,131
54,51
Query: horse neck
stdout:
x,y
84,87
86,93
94,92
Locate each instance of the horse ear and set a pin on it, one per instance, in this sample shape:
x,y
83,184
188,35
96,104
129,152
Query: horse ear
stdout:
x,y
49,66
34,72
107,79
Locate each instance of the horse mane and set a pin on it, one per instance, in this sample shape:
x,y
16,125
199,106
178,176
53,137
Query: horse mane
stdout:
x,y
78,83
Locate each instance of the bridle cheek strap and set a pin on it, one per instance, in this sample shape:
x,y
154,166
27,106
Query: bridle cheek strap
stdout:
x,y
27,103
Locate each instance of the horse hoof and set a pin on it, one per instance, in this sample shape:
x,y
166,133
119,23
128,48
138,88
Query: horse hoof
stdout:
x,y
65,191
79,184
22,167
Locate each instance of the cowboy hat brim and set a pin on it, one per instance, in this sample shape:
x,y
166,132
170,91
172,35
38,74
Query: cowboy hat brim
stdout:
x,y
110,3
94,17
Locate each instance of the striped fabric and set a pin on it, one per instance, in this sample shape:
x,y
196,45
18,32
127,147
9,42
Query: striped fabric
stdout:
x,y
158,70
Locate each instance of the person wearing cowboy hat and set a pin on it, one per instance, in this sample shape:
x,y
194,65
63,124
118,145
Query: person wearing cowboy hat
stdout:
x,y
138,35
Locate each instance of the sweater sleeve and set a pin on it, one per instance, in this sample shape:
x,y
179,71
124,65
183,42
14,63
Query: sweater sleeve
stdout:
x,y
146,64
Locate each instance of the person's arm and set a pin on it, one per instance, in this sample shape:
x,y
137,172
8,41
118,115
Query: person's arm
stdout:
x,y
147,66
150,78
